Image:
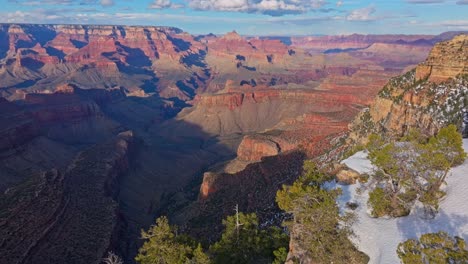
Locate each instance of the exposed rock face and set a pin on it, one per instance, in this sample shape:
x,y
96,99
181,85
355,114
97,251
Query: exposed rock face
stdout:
x,y
33,133
427,98
99,57
233,44
255,192
63,207
417,100
357,41
446,60
347,176
254,148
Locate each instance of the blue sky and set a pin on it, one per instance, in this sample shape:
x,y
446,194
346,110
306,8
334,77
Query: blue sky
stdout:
x,y
251,17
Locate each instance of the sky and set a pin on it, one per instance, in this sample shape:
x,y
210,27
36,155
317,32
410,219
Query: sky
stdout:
x,y
251,17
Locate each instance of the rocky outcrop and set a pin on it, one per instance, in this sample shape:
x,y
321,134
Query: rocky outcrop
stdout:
x,y
254,148
446,60
427,98
253,189
345,175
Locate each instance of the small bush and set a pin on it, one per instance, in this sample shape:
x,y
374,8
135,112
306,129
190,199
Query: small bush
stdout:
x,y
379,202
433,248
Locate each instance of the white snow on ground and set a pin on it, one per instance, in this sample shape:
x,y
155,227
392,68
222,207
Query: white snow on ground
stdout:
x,y
379,238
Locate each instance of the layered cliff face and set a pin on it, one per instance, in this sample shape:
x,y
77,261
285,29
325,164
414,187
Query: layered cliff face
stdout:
x,y
17,126
63,132
446,60
427,98
134,58
358,41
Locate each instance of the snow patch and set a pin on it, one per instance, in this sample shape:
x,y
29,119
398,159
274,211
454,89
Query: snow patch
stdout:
x,y
379,238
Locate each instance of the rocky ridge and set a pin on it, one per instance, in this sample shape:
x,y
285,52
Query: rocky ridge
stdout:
x,y
426,98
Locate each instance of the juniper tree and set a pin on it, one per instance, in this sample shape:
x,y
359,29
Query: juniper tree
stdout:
x,y
413,168
436,248
163,246
315,221
243,241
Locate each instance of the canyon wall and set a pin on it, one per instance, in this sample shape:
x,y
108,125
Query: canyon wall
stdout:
x,y
427,98
216,121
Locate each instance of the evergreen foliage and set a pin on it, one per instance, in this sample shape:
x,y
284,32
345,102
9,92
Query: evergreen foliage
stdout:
x,y
247,243
414,168
242,242
436,248
163,246
316,223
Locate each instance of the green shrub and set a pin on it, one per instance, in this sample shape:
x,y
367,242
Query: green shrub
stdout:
x,y
434,248
316,224
247,243
379,202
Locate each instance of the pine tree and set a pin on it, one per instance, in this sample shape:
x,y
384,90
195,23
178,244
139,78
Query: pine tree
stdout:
x,y
244,242
316,223
161,245
199,257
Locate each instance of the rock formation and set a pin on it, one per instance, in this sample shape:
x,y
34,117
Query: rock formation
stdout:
x,y
446,60
426,98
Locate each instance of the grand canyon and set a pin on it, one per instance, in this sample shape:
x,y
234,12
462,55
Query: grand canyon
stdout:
x,y
105,128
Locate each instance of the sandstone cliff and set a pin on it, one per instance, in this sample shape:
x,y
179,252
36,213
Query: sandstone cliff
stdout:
x,y
427,98
98,57
446,60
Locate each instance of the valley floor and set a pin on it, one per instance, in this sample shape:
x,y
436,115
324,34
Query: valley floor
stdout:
x,y
379,238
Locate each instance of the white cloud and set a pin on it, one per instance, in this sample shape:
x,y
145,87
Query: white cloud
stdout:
x,y
339,3
107,2
163,4
443,25
461,24
269,7
362,14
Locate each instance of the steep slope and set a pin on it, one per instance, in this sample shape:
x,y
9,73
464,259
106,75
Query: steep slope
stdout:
x,y
39,57
427,98
45,131
64,207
